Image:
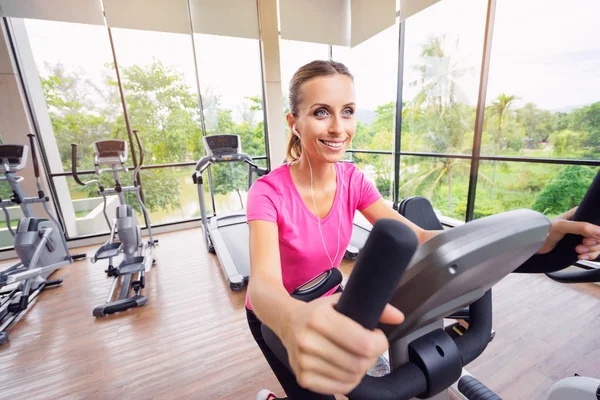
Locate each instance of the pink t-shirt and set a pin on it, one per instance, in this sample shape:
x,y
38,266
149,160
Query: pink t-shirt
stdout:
x,y
274,198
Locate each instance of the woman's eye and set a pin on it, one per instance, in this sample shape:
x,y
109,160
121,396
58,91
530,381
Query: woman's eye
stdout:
x,y
321,113
348,112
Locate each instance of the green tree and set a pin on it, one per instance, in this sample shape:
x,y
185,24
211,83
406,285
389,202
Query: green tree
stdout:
x,y
163,108
569,143
565,191
438,119
537,124
74,116
160,105
588,119
446,133
500,108
439,74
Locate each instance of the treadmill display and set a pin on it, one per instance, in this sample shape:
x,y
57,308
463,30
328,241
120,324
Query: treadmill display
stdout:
x,y
222,144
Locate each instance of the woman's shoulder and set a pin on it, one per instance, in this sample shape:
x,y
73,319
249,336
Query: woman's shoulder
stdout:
x,y
349,170
273,182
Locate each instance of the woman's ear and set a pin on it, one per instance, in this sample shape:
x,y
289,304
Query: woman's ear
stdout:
x,y
291,121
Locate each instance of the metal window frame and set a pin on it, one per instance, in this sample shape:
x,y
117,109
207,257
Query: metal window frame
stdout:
x,y
44,158
475,157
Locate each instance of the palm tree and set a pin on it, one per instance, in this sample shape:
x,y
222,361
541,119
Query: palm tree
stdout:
x,y
499,107
439,74
438,114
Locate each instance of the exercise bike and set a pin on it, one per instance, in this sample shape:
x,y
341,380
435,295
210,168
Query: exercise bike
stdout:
x,y
420,211
39,243
138,255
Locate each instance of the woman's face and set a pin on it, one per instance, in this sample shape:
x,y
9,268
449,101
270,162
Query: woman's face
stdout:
x,y
325,119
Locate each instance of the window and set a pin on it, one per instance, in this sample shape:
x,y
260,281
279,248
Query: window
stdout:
x,y
75,70
551,189
293,55
159,81
442,60
374,64
444,181
231,84
376,168
542,98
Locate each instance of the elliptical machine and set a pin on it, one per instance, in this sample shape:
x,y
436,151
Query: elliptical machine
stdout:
x,y
138,256
39,243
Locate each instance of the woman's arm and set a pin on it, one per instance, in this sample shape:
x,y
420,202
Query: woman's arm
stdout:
x,y
328,352
380,209
270,301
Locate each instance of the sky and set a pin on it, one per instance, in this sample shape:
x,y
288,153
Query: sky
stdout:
x,y
543,51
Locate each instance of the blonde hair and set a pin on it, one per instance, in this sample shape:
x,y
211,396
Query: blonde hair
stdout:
x,y
314,69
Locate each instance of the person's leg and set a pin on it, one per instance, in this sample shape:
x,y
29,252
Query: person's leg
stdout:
x,y
286,379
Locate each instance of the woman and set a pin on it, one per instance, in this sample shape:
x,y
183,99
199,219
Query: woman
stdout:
x,y
300,219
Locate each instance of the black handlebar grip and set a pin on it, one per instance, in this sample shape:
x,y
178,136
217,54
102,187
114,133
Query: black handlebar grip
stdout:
x,y
36,168
377,272
470,387
139,143
74,164
564,254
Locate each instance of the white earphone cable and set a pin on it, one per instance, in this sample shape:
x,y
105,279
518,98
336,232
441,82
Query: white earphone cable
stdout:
x,y
315,204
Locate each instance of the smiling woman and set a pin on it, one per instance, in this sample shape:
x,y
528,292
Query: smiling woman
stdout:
x,y
301,213
313,117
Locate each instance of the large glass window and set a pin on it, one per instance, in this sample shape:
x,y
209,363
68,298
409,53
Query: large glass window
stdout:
x,y
551,189
444,181
374,64
76,71
542,97
76,76
376,168
442,59
159,81
231,85
293,55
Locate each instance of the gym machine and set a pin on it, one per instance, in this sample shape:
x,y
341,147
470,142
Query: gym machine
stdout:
x,y
138,255
454,269
226,235
39,243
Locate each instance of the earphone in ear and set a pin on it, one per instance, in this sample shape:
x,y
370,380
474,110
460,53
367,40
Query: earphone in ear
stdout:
x,y
295,131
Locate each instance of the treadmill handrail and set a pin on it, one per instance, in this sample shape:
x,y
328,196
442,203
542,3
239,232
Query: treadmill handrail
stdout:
x,y
206,161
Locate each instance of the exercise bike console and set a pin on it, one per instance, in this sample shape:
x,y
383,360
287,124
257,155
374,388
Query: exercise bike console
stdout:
x,y
13,156
112,152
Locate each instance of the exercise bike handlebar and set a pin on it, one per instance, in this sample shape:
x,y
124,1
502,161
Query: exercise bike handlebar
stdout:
x,y
564,255
137,169
378,270
74,170
36,168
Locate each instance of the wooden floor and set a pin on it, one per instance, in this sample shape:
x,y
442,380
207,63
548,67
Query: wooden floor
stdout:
x,y
192,341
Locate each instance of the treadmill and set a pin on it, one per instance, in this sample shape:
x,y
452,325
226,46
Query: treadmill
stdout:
x,y
227,235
